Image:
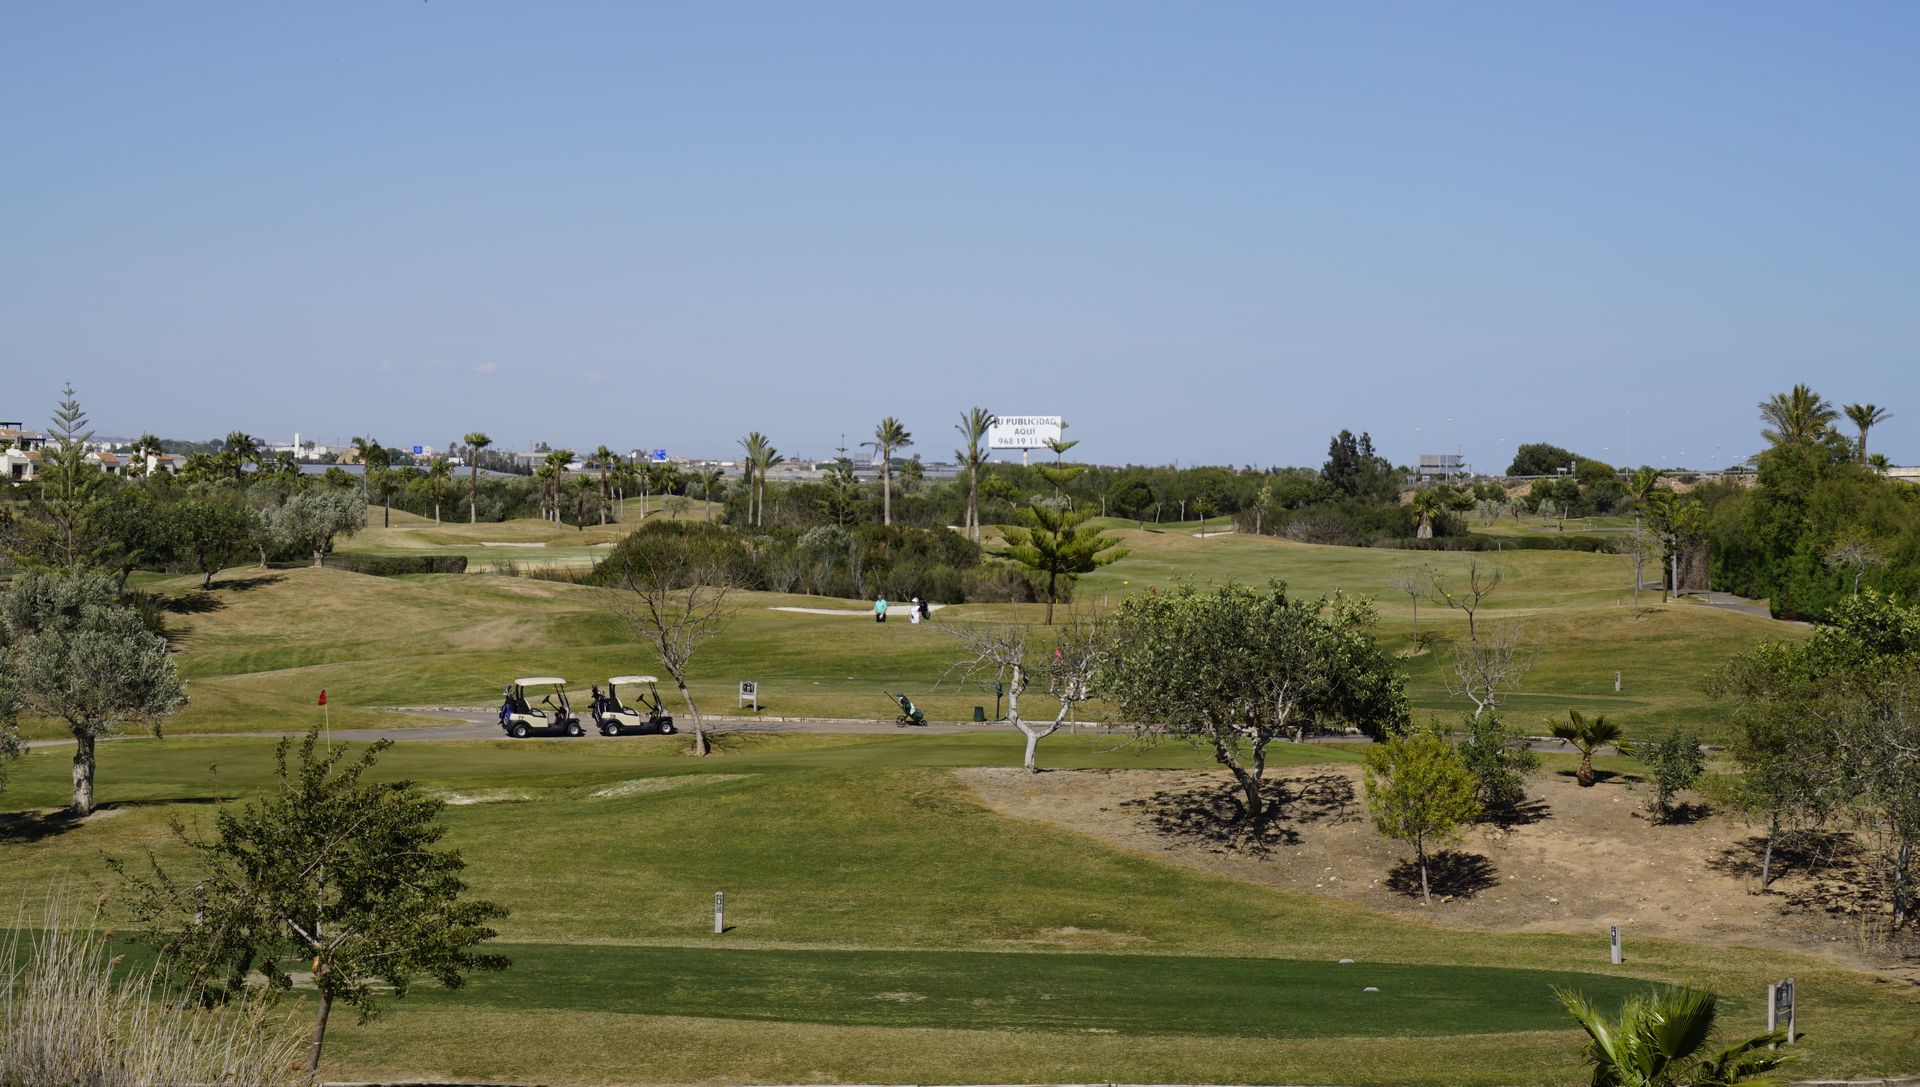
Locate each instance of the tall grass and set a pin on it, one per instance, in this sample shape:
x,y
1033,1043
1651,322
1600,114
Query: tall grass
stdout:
x,y
69,1017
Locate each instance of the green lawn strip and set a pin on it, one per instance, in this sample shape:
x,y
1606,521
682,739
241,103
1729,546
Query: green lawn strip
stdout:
x,y
377,642
533,1045
1061,991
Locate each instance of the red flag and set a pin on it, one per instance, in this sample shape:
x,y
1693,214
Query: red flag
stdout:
x,y
323,697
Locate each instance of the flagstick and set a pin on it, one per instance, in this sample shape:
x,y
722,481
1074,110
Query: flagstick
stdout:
x,y
326,716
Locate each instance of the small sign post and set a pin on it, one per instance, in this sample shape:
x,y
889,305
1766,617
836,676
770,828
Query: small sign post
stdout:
x,y
719,912
1614,940
1780,1009
749,692
1616,683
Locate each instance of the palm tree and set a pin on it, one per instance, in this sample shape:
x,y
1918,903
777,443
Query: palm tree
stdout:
x,y
764,463
622,475
1797,417
557,461
974,424
1661,1040
439,470
602,458
755,444
1426,504
147,447
1866,417
1880,462
710,480
476,441
239,450
887,437
1588,737
363,450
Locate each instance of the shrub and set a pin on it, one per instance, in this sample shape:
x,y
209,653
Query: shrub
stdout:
x,y
1677,761
1499,759
399,565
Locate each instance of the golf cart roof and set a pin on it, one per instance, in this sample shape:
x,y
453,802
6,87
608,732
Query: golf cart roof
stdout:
x,y
618,680
540,681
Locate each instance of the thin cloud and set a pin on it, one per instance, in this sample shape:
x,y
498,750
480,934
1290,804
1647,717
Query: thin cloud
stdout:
x,y
487,368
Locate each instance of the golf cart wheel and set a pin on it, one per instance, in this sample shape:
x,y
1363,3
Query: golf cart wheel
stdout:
x,y
610,729
667,729
519,730
574,729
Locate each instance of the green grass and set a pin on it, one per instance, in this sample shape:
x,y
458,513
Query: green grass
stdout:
x,y
1061,991
858,870
265,646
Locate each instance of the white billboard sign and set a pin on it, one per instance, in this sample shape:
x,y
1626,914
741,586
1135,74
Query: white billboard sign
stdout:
x,y
1024,431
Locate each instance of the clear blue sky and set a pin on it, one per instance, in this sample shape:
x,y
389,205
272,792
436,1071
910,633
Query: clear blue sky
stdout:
x,y
1202,232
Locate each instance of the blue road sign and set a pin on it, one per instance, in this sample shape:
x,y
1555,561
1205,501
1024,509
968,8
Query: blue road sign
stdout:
x,y
660,454
419,449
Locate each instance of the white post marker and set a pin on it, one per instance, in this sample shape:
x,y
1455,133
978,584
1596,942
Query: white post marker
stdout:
x,y
1780,1008
749,692
1614,940
1616,683
719,912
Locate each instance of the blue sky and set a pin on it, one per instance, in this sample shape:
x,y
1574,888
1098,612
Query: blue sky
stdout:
x,y
1210,233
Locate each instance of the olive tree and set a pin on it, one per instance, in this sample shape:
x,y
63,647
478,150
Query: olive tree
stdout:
x,y
325,870
1235,668
77,656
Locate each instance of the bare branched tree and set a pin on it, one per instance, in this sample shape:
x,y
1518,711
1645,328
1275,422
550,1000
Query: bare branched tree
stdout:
x,y
1853,553
1485,671
675,592
1640,549
1016,654
1483,580
1416,583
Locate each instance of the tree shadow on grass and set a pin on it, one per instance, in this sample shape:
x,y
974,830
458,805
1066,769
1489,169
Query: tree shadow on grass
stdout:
x,y
32,826
245,584
1215,815
197,602
1451,874
1601,777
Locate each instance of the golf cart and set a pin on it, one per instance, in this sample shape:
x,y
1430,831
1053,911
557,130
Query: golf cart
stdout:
x,y
519,718
910,714
614,717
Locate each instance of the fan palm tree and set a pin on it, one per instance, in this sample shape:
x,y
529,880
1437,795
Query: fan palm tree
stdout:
x,y
1587,737
1426,505
439,470
1662,1039
603,458
754,443
476,441
1866,417
887,437
239,450
1796,417
974,424
363,453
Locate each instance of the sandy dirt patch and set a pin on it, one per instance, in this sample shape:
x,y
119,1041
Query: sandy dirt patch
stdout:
x,y
1580,860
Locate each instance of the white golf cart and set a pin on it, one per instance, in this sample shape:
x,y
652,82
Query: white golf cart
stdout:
x,y
551,715
615,717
